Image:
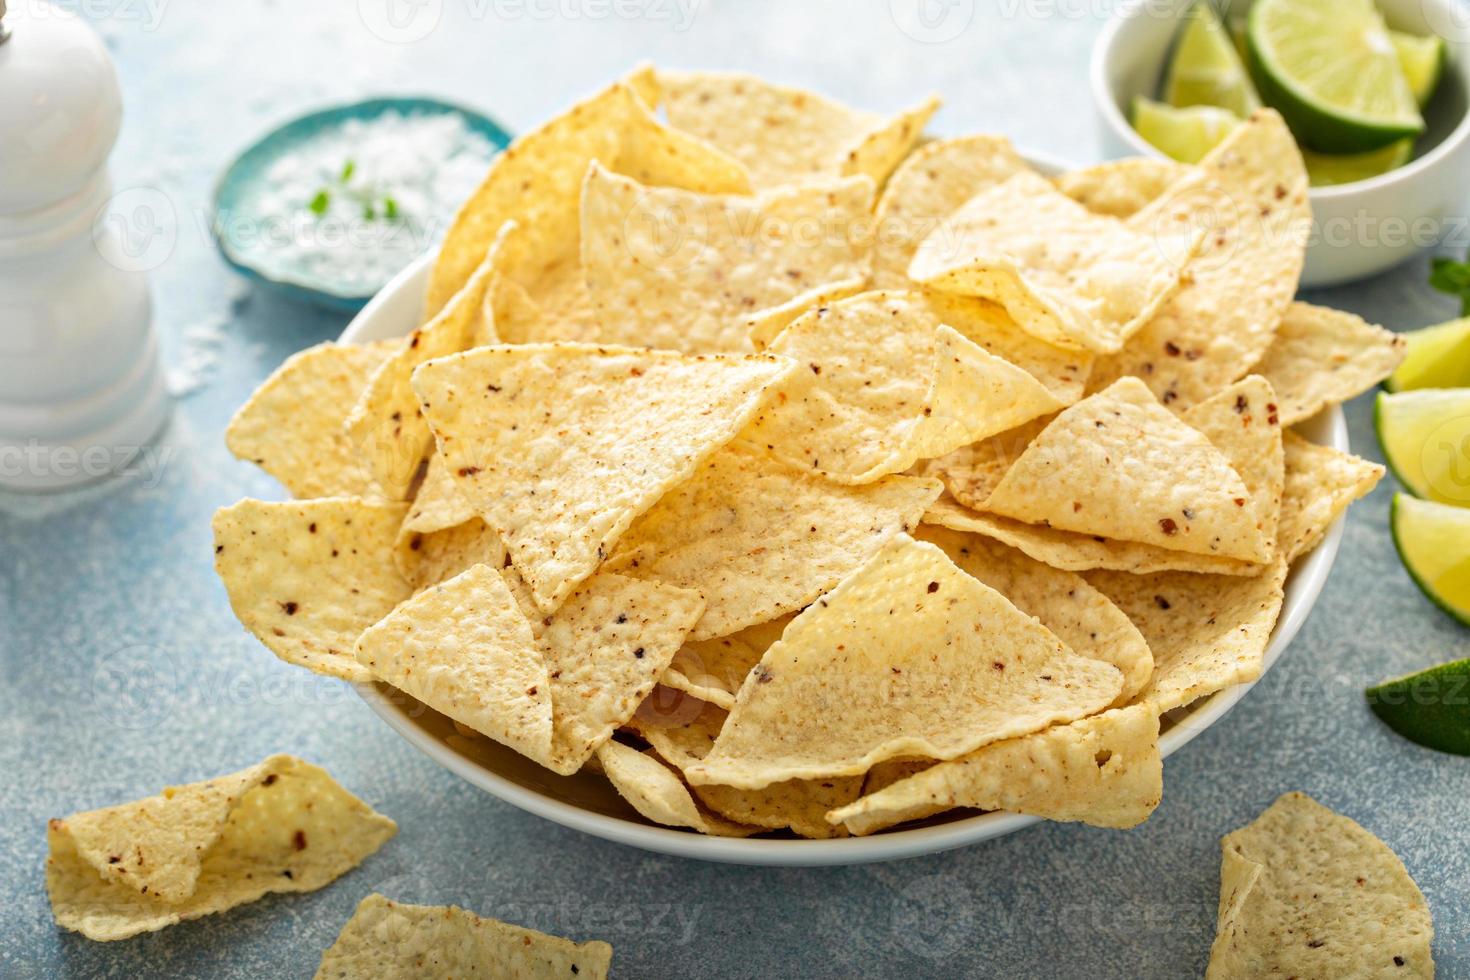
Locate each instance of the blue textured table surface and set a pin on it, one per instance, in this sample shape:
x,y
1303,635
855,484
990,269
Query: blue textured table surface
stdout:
x,y
123,668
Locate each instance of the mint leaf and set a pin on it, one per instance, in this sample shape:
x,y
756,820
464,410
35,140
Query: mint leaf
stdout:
x,y
347,170
1449,276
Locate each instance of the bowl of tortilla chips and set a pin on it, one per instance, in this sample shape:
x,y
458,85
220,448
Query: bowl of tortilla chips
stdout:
x,y
750,478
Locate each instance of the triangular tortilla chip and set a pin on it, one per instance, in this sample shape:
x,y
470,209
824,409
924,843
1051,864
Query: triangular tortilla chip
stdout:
x,y
387,940
908,656
308,577
1119,446
765,326
1221,321
1243,423
1063,371
681,271
759,539
442,532
798,804
786,134
1321,357
939,391
657,792
1320,483
1080,616
1068,276
292,426
559,447
971,473
1105,771
281,826
1121,188
1305,892
713,670
1207,632
931,184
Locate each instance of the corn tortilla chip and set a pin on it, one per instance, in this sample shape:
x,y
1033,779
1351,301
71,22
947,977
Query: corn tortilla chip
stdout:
x,y
759,539
764,326
1080,616
1069,277
1122,445
1207,632
560,447
307,577
1320,483
971,473
281,826
292,426
782,134
1217,326
387,940
1306,892
1121,188
671,269
1243,423
1105,771
931,184
713,670
908,656
442,535
1321,357
657,792
939,391
1063,371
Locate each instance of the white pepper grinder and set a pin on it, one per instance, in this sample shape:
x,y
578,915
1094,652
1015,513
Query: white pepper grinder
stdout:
x,y
81,393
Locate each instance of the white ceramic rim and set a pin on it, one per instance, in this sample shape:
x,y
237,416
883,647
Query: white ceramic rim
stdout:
x,y
1097,75
394,312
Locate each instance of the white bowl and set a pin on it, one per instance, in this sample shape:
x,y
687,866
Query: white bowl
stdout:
x,y
587,802
1358,229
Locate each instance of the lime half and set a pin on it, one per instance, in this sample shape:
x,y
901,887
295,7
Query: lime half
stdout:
x,y
1439,357
1183,134
1426,440
1422,59
1330,169
1430,708
1433,540
1205,68
1332,71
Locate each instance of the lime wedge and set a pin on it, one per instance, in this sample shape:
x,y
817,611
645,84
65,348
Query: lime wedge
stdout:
x,y
1422,59
1205,68
1426,440
1430,708
1439,357
1329,67
1184,134
1433,540
1328,169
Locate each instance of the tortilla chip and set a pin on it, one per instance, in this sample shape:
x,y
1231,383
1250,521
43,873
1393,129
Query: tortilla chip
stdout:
x,y
387,940
657,792
1069,277
537,180
1121,188
308,577
1122,445
908,656
765,326
1078,614
1240,283
292,426
759,539
931,184
442,535
1320,483
713,670
1305,892
559,447
939,391
782,134
1105,771
1321,357
1242,422
680,271
1207,632
971,473
1064,372
281,826
798,804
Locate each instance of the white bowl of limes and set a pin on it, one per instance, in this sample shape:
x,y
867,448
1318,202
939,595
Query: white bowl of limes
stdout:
x,y
1376,92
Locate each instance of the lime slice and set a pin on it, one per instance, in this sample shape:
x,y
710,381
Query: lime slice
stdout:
x,y
1426,440
1329,169
1331,70
1422,60
1184,134
1430,708
1205,69
1433,540
1439,357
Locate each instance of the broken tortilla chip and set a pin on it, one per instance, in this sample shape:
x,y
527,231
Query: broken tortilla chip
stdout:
x,y
281,826
307,577
1321,357
1306,892
1121,188
1320,483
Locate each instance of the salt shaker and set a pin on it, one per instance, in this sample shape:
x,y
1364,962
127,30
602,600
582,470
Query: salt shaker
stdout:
x,y
81,392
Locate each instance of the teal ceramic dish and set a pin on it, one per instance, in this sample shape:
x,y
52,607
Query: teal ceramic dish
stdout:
x,y
237,195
